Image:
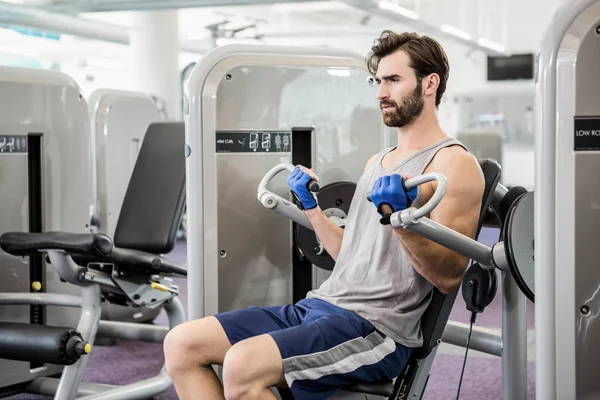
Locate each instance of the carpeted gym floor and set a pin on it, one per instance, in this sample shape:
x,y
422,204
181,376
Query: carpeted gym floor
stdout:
x,y
130,361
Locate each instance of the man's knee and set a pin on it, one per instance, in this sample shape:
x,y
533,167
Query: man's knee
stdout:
x,y
195,344
250,367
236,373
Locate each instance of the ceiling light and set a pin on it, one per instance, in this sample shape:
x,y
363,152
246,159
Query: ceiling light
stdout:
x,y
405,12
490,45
456,32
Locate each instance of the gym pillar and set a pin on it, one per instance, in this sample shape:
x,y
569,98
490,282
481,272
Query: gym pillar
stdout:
x,y
154,51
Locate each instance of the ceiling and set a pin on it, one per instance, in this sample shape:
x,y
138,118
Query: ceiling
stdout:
x,y
478,24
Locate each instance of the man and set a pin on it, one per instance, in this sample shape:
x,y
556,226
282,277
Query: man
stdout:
x,y
362,323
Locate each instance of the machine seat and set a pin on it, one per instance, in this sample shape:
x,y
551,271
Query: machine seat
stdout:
x,y
28,244
87,248
385,389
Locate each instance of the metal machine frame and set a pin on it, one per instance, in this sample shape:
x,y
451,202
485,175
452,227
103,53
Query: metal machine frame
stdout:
x,y
566,226
69,385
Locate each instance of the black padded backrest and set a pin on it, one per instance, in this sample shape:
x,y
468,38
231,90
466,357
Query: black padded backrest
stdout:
x,y
155,198
436,316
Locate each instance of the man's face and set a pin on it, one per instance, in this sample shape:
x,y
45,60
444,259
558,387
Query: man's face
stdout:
x,y
400,93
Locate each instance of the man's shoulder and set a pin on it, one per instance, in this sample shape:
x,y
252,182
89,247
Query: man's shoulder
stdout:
x,y
453,158
374,157
458,164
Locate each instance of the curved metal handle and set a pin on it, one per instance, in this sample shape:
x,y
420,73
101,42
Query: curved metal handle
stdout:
x,y
262,186
275,202
438,195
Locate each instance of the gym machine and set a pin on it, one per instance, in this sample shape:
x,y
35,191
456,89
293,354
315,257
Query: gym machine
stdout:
x,y
567,136
513,209
249,108
53,260
133,274
244,255
47,185
119,120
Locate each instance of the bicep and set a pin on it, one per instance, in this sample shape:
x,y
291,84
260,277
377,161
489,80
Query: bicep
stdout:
x,y
460,207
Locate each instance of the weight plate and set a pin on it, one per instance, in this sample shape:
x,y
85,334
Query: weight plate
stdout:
x,y
333,196
519,243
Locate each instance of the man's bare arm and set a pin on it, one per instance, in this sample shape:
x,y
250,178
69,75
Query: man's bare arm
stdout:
x,y
327,231
459,210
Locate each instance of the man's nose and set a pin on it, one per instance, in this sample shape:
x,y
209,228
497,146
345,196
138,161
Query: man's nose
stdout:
x,y
382,93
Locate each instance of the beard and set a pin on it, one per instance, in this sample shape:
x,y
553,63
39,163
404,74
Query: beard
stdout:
x,y
412,107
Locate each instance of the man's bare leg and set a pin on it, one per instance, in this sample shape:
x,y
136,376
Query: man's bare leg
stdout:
x,y
251,368
190,351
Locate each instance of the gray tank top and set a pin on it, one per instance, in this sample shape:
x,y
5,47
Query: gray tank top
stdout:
x,y
373,276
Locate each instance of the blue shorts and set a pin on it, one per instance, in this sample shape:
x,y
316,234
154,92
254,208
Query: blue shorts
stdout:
x,y
324,347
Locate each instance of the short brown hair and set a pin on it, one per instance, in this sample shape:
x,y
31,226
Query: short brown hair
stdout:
x,y
426,56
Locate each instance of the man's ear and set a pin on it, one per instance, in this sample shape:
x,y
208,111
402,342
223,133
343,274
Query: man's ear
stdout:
x,y
431,83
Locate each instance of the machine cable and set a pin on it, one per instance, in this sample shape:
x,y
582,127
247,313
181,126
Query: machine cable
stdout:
x,y
478,290
473,317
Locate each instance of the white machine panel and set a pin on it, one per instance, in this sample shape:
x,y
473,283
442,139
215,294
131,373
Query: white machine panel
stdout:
x,y
244,98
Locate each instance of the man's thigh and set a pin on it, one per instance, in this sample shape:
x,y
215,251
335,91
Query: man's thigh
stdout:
x,y
332,352
250,322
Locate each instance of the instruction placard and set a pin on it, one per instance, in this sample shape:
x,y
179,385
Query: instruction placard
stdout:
x,y
13,144
253,142
587,133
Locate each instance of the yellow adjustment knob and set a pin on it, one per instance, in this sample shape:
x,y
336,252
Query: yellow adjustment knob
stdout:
x,y
160,287
87,348
37,286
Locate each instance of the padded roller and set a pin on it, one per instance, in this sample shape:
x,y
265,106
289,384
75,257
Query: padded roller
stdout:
x,y
27,244
508,200
41,344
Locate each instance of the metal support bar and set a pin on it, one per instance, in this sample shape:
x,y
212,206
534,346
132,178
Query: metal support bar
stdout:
x,y
87,326
153,386
451,239
418,385
47,387
485,340
132,331
514,334
42,299
285,208
137,391
154,5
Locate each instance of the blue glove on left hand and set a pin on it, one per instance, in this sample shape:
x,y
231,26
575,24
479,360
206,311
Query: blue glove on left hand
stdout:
x,y
390,190
299,181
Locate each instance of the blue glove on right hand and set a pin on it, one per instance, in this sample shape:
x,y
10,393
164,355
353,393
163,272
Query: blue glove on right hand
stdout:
x,y
390,190
298,182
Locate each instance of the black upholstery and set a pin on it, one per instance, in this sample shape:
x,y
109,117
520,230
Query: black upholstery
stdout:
x,y
155,198
30,243
436,316
144,261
